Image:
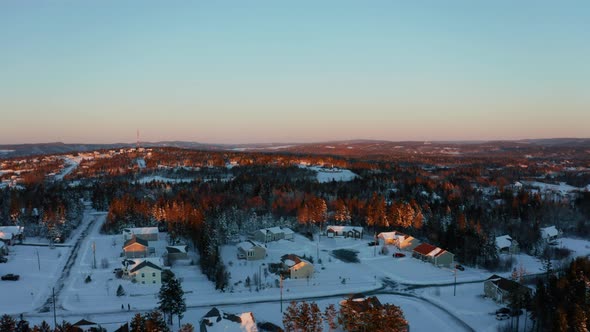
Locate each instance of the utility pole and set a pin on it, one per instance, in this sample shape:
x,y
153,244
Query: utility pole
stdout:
x,y
54,315
281,293
38,260
94,255
455,286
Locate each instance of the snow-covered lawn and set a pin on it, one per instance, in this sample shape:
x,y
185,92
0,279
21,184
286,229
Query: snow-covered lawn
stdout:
x,y
37,277
331,174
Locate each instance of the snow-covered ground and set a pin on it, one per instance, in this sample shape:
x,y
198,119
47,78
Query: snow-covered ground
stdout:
x,y
331,174
71,163
428,302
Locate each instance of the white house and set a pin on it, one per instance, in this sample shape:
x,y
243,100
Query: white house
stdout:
x,y
146,272
251,250
507,245
550,234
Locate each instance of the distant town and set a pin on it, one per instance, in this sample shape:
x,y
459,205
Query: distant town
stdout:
x,y
345,236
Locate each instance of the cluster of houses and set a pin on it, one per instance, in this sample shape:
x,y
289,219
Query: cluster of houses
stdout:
x,y
140,263
423,251
354,232
507,245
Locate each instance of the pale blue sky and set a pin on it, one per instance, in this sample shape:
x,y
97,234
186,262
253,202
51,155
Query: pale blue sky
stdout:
x,y
277,71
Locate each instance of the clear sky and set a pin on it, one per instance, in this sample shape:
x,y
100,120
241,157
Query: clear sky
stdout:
x,y
293,71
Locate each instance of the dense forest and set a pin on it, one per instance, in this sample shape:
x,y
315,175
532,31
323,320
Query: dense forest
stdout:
x,y
210,198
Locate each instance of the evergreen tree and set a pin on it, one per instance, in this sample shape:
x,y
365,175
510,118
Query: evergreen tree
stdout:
x,y
7,324
172,299
137,323
120,291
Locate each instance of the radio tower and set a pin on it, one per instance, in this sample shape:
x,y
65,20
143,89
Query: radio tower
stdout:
x,y
137,139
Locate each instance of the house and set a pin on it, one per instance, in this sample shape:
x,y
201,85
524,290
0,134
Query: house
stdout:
x,y
266,235
550,234
297,267
146,272
435,255
271,234
177,252
406,242
11,234
499,289
506,245
388,237
400,240
217,320
135,248
251,250
144,233
84,325
355,232
288,233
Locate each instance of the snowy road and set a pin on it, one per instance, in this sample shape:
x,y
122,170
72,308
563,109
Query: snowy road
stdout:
x,y
89,220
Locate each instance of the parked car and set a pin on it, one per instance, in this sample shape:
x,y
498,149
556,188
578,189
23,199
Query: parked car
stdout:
x,y
373,243
459,267
398,255
10,276
3,259
503,311
502,316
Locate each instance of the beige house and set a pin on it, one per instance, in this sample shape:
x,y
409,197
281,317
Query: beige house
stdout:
x,y
271,234
251,251
435,255
499,289
297,268
301,270
144,233
400,240
135,248
146,272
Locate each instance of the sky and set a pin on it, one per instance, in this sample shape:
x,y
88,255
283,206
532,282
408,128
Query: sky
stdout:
x,y
293,71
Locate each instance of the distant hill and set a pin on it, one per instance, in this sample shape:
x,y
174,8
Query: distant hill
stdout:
x,y
352,148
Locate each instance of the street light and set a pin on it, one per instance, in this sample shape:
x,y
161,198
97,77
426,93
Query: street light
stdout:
x,y
260,276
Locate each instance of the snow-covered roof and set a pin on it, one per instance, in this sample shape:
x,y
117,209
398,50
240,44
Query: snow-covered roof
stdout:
x,y
387,235
549,232
504,241
287,230
274,230
247,245
5,236
177,249
341,229
17,230
142,230
143,265
301,264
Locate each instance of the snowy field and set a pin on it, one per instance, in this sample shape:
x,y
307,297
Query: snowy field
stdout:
x,y
331,174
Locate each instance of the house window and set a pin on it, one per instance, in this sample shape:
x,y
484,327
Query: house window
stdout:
x,y
143,282
153,274
143,275
153,281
